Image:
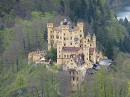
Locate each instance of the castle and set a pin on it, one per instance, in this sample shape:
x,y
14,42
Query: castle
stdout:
x,y
75,52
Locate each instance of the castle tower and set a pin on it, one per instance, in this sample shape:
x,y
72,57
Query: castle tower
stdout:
x,y
65,32
80,25
94,40
94,56
81,33
88,37
50,34
86,54
59,53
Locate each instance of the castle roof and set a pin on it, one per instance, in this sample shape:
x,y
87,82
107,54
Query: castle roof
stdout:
x,y
71,48
79,60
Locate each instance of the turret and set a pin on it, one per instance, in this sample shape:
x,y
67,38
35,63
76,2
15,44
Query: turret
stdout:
x,y
49,25
80,24
86,54
49,30
88,37
94,40
65,27
59,53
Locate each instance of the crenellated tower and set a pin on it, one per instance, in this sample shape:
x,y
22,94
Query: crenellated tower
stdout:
x,y
50,34
94,40
59,53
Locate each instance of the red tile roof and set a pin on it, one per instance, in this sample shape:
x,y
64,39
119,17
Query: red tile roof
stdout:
x,y
71,48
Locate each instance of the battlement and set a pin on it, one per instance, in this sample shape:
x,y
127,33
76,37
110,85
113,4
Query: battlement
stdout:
x,y
65,27
50,25
80,24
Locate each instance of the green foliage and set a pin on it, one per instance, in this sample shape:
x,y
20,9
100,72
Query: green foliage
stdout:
x,y
6,6
20,80
52,54
103,84
124,43
39,81
5,39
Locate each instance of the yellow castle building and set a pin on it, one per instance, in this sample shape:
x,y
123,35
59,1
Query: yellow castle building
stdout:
x,y
70,40
75,52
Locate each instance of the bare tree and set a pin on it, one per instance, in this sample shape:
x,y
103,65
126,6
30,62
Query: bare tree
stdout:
x,y
64,81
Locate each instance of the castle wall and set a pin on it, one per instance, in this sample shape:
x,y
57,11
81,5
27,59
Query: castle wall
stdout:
x,y
86,54
30,59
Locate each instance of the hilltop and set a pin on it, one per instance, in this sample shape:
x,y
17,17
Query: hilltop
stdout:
x,y
23,30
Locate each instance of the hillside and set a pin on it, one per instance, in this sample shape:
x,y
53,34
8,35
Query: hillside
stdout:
x,y
23,29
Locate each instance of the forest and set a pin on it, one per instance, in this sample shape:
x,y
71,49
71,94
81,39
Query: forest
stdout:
x,y
23,29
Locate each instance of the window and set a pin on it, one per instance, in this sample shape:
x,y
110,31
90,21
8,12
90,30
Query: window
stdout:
x,y
59,56
52,36
64,38
73,78
88,40
65,56
57,36
60,37
71,63
80,35
64,44
64,34
70,43
80,41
